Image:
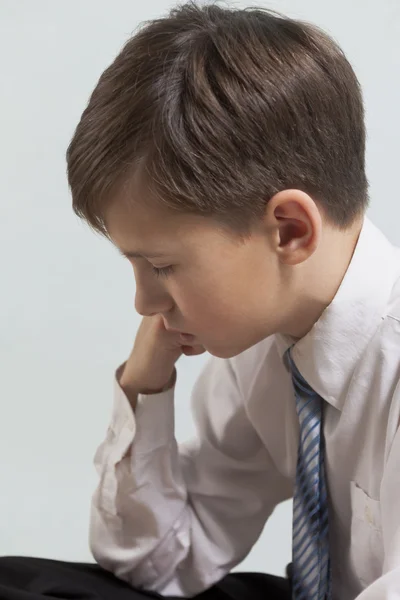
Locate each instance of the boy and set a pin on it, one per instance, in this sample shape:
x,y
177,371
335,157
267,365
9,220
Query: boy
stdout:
x,y
223,153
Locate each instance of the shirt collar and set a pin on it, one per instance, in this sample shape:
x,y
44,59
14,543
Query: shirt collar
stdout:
x,y
328,355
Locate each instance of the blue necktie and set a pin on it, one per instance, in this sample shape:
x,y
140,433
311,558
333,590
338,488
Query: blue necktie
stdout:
x,y
310,568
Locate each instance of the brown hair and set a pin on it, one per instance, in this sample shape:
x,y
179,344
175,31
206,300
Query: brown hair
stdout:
x,y
224,108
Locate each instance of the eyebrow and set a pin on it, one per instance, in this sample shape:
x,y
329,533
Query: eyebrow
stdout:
x,y
129,254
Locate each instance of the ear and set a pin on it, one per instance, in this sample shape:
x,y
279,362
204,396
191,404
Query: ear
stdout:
x,y
297,223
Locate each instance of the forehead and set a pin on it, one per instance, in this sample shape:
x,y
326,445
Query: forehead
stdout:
x,y
135,222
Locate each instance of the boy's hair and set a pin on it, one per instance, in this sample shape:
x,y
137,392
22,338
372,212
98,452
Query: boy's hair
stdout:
x,y
223,108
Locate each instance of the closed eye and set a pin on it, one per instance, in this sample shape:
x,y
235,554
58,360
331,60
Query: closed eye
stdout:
x,y
159,272
163,272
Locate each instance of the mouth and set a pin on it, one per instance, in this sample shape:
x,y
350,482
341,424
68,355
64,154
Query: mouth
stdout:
x,y
188,337
173,330
168,328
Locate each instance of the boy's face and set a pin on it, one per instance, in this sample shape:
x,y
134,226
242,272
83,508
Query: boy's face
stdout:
x,y
229,295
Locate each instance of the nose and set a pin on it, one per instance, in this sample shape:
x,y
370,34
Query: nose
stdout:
x,y
148,307
149,310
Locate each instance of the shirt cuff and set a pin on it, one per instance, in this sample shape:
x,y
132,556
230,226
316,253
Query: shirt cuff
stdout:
x,y
152,423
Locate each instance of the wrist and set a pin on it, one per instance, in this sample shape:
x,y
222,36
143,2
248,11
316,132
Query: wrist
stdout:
x,y
169,385
130,387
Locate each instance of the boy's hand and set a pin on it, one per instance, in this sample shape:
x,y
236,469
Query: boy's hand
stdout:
x,y
150,367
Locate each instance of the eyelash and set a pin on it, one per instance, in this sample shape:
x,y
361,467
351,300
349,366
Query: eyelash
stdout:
x,y
164,272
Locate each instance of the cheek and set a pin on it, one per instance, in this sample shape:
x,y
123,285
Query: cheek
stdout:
x,y
226,299
201,303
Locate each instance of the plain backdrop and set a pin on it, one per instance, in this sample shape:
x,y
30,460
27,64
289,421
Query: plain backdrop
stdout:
x,y
67,317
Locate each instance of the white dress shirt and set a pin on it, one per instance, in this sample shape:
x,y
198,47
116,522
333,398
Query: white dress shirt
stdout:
x,y
176,518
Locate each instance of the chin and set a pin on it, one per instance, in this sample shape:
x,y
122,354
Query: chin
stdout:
x,y
229,351
225,352
224,355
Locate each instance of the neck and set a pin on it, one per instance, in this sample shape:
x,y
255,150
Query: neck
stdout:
x,y
319,279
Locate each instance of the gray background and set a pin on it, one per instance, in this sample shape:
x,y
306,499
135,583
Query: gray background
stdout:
x,y
67,316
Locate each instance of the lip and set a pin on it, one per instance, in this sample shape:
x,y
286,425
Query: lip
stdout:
x,y
168,328
180,332
173,330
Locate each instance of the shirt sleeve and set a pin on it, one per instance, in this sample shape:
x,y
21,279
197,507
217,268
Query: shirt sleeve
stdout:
x,y
387,586
175,519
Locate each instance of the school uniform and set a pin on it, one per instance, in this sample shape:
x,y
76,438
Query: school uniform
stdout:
x,y
173,520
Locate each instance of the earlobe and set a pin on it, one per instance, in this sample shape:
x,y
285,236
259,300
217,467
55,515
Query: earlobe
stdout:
x,y
298,224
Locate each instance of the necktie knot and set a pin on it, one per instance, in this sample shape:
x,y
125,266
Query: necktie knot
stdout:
x,y
304,393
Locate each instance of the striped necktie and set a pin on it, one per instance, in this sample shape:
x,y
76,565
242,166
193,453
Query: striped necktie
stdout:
x,y
311,568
